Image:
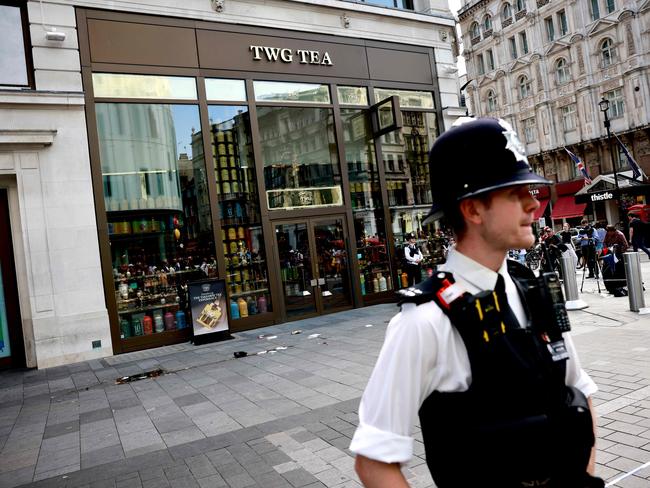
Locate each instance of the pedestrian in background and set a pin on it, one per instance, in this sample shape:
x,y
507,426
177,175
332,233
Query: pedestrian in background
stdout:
x,y
637,233
498,404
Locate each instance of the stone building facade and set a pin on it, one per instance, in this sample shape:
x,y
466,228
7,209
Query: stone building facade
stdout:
x,y
545,66
60,280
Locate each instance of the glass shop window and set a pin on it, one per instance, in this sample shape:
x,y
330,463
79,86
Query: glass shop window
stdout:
x,y
239,209
158,211
367,207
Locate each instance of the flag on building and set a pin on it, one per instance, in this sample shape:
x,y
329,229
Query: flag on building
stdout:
x,y
634,166
580,165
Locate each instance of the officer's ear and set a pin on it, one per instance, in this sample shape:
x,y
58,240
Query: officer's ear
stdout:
x,y
472,210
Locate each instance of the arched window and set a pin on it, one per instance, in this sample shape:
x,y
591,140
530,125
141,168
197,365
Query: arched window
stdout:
x,y
492,101
506,12
474,31
608,53
520,5
524,87
562,72
487,23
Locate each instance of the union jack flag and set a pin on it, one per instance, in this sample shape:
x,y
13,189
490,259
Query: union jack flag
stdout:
x,y
634,166
580,165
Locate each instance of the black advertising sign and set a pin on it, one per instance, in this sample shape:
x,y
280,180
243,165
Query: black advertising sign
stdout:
x,y
208,309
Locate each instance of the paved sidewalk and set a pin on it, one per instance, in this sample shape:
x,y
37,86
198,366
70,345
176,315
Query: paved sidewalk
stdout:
x,y
283,418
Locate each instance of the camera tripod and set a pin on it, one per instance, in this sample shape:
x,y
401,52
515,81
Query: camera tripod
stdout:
x,y
598,271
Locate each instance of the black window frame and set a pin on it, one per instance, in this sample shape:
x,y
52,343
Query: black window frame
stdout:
x,y
29,64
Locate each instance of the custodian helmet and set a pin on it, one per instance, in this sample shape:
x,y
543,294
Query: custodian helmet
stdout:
x,y
475,157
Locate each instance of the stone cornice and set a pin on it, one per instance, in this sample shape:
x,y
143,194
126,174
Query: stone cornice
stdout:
x,y
464,12
40,98
27,137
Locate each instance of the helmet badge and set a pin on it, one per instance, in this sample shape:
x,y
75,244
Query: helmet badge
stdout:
x,y
514,145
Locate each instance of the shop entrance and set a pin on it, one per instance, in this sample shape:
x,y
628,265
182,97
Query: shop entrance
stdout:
x,y
314,266
12,353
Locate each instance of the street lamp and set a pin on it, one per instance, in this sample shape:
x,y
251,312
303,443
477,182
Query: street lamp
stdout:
x,y
604,108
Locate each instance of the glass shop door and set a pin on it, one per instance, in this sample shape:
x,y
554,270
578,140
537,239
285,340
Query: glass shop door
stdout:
x,y
314,266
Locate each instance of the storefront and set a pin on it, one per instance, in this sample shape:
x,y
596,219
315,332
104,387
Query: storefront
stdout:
x,y
291,165
565,208
605,198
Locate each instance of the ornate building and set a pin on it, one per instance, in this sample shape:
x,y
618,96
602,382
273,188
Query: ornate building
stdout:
x,y
546,65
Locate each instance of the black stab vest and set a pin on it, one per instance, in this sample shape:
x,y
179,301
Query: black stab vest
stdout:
x,y
518,421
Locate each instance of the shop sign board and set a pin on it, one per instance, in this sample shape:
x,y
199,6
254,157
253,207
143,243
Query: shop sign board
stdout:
x,y
598,197
208,310
286,55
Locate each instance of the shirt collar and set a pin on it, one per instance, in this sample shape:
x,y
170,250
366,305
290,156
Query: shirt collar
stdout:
x,y
472,272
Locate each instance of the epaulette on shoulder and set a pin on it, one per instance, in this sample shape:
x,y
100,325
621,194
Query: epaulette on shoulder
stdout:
x,y
425,291
518,270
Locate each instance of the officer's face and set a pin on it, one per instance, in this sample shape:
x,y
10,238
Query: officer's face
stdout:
x,y
507,219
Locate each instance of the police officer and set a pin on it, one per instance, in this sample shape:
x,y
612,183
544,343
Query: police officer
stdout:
x,y
501,402
413,258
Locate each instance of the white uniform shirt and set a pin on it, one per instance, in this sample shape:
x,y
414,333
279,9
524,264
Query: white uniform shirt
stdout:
x,y
416,258
423,352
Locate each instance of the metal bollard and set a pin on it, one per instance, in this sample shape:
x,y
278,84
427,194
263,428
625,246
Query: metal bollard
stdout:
x,y
573,301
632,262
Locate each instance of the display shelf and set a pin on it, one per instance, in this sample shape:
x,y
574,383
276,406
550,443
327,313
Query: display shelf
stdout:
x,y
243,265
251,292
149,276
149,308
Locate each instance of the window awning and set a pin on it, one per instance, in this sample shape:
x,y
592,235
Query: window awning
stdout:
x,y
542,208
565,208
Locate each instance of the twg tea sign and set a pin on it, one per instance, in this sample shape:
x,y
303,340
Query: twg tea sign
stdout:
x,y
286,55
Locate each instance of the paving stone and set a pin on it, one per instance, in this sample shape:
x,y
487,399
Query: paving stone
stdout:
x,y
241,480
214,481
187,482
200,466
191,399
101,456
60,429
299,478
95,415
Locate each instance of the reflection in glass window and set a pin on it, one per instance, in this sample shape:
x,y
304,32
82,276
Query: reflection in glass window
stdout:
x,y
239,209
530,129
13,64
506,12
369,224
492,101
562,70
111,85
475,31
407,98
223,90
409,186
524,87
616,103
352,95
608,53
158,211
568,117
276,91
301,166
